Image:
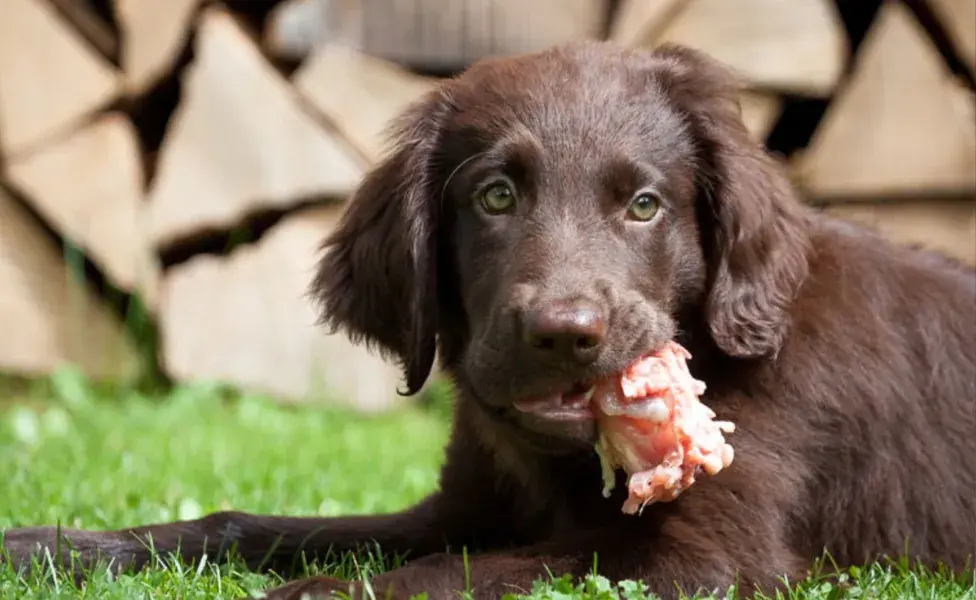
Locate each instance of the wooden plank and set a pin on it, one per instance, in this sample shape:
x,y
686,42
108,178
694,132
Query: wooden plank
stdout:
x,y
639,22
796,46
246,320
153,34
240,142
50,79
947,226
89,187
358,93
47,317
959,19
901,125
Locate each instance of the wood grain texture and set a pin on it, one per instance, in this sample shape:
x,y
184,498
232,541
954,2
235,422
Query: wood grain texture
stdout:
x,y
48,317
50,78
358,93
794,46
89,186
245,319
760,112
959,19
639,22
240,142
153,33
901,125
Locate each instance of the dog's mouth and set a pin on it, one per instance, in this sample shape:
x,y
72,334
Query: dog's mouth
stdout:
x,y
572,404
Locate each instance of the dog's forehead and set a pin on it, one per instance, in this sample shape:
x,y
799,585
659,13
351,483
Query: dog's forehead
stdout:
x,y
578,96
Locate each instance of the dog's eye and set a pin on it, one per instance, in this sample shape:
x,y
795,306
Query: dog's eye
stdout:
x,y
644,207
498,198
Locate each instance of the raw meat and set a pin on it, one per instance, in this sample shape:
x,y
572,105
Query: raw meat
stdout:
x,y
653,425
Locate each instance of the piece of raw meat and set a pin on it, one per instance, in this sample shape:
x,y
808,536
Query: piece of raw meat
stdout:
x,y
653,425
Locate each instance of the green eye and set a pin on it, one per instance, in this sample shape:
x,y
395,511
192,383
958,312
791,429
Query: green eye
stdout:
x,y
644,207
498,198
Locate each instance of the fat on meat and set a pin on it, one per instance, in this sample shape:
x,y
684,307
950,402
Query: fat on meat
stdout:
x,y
653,425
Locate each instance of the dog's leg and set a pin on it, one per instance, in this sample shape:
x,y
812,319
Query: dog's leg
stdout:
x,y
263,541
467,511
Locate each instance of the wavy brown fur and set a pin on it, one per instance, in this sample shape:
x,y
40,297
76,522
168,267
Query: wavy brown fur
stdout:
x,y
847,362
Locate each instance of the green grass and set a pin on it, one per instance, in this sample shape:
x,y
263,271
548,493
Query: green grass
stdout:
x,y
107,460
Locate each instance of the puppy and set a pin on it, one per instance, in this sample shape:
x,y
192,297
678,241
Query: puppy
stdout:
x,y
542,221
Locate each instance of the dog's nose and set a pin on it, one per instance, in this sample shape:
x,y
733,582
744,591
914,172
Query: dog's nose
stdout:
x,y
568,330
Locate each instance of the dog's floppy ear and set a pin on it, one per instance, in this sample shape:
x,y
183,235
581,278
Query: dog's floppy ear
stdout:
x,y
376,279
754,231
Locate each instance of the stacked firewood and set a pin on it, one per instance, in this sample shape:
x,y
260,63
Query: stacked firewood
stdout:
x,y
182,159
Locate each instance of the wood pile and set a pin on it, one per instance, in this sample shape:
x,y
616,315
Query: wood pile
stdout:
x,y
154,195
188,156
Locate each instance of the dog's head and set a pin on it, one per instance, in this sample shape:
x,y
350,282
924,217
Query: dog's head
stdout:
x,y
544,220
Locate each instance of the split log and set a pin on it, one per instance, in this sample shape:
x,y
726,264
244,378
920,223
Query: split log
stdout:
x,y
946,226
49,317
794,46
240,142
958,17
760,112
89,188
517,26
246,320
153,34
50,78
358,93
639,22
902,123
443,35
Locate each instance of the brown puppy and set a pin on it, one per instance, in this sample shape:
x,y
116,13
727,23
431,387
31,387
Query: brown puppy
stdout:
x,y
541,222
